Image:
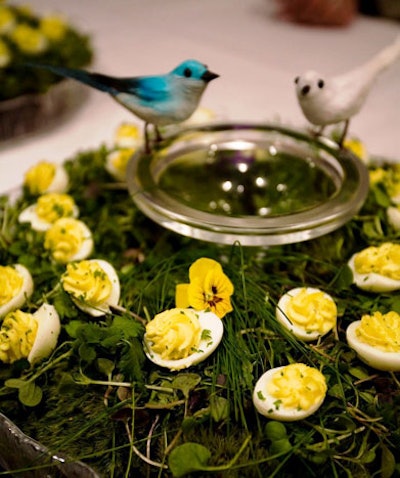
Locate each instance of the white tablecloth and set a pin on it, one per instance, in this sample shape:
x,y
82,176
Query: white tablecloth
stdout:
x,y
257,55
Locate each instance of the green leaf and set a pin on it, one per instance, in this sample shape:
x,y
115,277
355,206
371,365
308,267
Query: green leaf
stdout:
x,y
188,458
219,407
132,359
358,372
30,394
15,383
344,278
282,445
73,327
105,366
87,353
388,462
128,327
186,382
275,430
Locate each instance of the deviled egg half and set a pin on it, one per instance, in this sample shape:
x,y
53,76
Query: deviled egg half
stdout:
x,y
46,177
31,336
93,285
376,340
307,312
48,209
16,286
68,240
179,338
377,268
289,393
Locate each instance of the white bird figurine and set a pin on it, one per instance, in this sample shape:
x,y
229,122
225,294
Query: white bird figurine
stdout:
x,y
327,101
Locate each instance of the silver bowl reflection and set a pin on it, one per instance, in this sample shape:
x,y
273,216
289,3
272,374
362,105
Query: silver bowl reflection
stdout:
x,y
257,184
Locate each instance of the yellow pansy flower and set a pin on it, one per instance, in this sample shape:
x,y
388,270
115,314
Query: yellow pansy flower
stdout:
x,y
209,288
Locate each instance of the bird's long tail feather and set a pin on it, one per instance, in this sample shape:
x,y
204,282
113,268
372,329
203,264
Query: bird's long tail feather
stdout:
x,y
91,79
386,57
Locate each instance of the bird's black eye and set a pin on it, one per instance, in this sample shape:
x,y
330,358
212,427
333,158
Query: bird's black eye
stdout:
x,y
296,80
187,72
321,83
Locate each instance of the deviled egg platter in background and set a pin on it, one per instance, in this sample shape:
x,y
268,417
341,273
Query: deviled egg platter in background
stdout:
x,y
376,340
307,312
289,393
179,338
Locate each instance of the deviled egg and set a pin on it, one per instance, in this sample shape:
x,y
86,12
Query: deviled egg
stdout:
x,y
376,340
16,286
178,338
128,135
377,268
46,177
289,393
93,285
68,240
48,209
117,161
307,312
31,336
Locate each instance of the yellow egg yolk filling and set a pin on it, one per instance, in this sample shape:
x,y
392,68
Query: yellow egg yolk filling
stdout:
x,y
39,177
64,239
53,206
174,334
17,336
381,331
297,386
312,311
87,282
11,283
383,259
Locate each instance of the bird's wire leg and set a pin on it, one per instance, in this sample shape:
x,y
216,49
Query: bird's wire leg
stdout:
x,y
146,139
344,133
158,134
320,131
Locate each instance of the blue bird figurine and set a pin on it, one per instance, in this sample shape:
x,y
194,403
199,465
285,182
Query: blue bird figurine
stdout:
x,y
158,100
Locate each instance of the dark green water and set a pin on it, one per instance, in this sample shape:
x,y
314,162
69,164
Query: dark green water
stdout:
x,y
239,184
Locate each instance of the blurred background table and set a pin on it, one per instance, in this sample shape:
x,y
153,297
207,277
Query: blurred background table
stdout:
x,y
257,54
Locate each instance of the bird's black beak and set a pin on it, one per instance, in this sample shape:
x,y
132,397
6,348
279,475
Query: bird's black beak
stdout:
x,y
208,76
305,90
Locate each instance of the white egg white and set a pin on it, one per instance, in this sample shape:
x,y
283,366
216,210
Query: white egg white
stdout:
x,y
48,330
372,281
281,316
265,403
393,215
372,356
87,245
208,321
24,293
60,182
29,215
111,300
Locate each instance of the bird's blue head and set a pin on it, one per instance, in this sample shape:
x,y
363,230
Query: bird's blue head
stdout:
x,y
194,69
